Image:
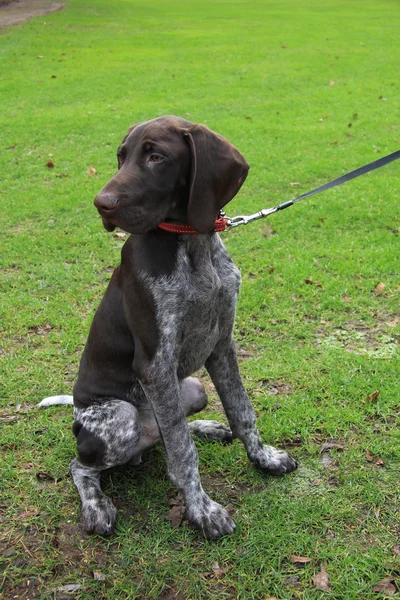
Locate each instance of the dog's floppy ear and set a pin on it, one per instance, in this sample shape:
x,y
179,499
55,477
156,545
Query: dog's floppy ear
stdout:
x,y
218,171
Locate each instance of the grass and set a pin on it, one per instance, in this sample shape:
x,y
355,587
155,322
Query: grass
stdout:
x,y
306,91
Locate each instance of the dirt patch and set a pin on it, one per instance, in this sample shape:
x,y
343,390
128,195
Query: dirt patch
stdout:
x,y
358,338
14,12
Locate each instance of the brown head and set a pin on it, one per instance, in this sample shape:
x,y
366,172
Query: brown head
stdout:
x,y
170,168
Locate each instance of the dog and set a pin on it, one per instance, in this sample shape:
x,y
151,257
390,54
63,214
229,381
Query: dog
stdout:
x,y
167,312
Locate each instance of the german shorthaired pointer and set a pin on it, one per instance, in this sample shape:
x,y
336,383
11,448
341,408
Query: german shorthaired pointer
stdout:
x,y
167,312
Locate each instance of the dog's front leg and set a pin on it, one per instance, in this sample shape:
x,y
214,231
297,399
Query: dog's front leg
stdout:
x,y
163,392
224,371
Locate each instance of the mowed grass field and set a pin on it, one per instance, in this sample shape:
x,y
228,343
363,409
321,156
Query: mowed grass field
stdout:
x,y
306,91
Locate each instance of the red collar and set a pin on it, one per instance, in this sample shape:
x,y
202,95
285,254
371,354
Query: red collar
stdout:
x,y
220,225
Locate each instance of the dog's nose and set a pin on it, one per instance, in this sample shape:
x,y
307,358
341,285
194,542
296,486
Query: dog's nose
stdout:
x,y
105,201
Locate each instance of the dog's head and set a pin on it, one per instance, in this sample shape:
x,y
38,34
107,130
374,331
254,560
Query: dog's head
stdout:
x,y
169,168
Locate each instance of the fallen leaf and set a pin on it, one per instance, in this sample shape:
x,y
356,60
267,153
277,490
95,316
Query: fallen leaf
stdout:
x,y
71,587
98,576
393,323
386,586
373,397
292,443
299,560
91,171
311,282
380,287
49,164
331,445
26,514
27,465
218,572
347,298
120,235
331,82
374,459
395,549
295,183
176,514
321,580
41,476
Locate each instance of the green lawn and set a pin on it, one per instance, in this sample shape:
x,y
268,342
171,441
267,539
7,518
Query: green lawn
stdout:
x,y
307,91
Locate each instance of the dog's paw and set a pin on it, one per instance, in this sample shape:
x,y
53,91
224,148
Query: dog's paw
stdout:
x,y
211,431
98,516
209,516
273,461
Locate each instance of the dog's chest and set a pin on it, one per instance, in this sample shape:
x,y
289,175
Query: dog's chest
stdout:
x,y
196,306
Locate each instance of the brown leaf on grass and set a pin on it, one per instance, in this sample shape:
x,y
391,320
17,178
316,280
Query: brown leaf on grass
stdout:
x,y
299,560
40,329
394,322
217,571
331,445
311,282
176,514
321,580
91,171
374,459
386,586
42,476
380,287
26,514
121,235
395,549
331,82
371,398
49,164
292,443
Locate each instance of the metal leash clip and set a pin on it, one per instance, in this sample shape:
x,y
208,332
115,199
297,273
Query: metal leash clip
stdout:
x,y
245,219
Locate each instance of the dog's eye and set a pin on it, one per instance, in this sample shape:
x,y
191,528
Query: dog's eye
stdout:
x,y
121,158
156,158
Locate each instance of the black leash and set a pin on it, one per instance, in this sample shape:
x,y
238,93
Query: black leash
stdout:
x,y
376,164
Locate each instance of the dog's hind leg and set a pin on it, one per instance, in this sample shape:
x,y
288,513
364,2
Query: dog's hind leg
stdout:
x,y
107,434
194,398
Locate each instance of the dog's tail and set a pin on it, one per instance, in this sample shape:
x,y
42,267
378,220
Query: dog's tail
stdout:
x,y
53,400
